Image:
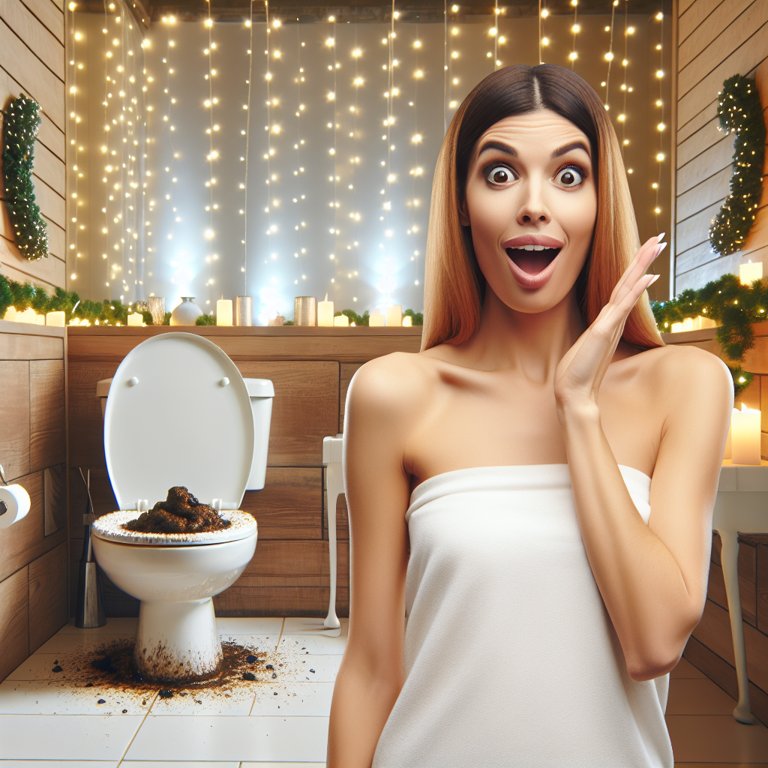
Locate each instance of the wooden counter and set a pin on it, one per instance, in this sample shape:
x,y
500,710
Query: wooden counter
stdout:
x,y
311,369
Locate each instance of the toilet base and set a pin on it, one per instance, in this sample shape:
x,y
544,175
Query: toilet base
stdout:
x,y
177,641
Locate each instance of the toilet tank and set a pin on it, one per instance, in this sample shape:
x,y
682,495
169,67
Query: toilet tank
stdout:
x,y
261,392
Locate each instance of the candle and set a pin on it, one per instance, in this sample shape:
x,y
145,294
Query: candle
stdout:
x,y
407,321
325,312
341,321
745,435
676,328
135,319
224,312
57,319
11,314
375,319
749,272
394,315
38,318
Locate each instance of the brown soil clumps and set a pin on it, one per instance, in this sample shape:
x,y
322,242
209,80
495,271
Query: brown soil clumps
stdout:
x,y
181,512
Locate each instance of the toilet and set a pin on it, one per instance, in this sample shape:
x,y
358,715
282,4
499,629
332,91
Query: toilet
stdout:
x,y
178,413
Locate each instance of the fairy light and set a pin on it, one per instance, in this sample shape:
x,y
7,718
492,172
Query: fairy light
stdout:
x,y
544,40
213,155
333,125
608,56
625,86
573,55
247,110
661,123
75,171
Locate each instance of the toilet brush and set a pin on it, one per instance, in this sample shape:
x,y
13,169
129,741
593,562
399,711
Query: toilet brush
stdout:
x,y
90,611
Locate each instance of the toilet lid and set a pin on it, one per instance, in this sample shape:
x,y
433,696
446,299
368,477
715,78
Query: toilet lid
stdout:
x,y
178,413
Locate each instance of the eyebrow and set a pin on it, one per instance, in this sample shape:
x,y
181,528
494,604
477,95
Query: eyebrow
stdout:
x,y
507,150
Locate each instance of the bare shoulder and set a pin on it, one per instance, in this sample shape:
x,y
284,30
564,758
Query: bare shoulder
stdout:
x,y
675,372
394,385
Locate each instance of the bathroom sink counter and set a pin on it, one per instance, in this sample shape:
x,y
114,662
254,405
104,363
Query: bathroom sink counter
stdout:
x,y
291,342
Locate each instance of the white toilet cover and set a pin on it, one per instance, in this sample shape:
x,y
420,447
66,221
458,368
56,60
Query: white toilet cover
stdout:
x,y
178,413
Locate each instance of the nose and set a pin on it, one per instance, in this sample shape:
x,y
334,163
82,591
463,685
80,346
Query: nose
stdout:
x,y
533,208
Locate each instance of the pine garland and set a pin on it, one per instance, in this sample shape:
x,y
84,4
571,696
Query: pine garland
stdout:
x,y
739,110
22,119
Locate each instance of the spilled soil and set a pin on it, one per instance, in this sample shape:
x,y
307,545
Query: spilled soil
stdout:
x,y
109,670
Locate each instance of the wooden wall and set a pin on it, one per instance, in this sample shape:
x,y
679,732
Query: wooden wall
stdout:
x,y
32,62
33,551
715,40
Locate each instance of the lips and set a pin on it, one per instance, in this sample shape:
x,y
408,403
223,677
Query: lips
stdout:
x,y
531,258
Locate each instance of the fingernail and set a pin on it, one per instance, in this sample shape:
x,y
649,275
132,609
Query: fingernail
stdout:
x,y
652,280
659,248
660,237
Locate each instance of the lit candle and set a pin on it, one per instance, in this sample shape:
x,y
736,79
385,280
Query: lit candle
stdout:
x,y
325,312
749,272
407,321
745,435
135,319
687,323
38,318
375,319
224,312
57,319
11,314
341,321
676,328
395,315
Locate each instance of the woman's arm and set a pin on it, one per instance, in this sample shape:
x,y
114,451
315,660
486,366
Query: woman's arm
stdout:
x,y
653,578
378,412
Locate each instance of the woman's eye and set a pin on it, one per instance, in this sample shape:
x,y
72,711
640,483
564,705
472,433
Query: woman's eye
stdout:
x,y
570,176
499,174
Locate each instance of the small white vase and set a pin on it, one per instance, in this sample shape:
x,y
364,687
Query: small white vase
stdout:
x,y
187,312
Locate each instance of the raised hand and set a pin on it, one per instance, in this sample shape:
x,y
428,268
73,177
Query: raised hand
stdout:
x,y
581,370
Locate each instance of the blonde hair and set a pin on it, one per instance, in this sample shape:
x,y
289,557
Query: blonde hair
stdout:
x,y
454,286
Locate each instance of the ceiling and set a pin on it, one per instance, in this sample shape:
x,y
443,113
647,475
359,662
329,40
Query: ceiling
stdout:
x,y
147,11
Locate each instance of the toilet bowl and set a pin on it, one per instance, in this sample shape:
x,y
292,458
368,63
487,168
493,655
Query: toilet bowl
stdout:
x,y
178,412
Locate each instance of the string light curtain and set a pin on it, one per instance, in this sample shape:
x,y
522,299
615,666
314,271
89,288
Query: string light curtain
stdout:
x,y
258,178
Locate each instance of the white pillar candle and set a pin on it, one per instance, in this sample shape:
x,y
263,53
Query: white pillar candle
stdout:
x,y
341,321
135,319
224,312
745,435
394,315
57,319
39,318
325,312
749,272
11,314
407,321
375,319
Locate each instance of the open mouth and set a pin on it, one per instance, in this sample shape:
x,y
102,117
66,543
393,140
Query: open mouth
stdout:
x,y
532,259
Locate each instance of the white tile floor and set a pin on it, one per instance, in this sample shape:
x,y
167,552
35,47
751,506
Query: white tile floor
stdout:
x,y
47,721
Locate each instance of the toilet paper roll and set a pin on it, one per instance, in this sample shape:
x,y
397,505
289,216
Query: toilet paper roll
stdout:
x,y
14,504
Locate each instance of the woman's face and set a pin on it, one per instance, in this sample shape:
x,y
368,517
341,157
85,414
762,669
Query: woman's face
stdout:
x,y
531,204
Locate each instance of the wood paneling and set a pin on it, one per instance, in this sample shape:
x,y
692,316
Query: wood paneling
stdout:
x,y
14,416
47,47
18,343
290,505
14,621
696,36
47,443
50,15
48,610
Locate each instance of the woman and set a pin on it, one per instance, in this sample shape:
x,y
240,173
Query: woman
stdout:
x,y
533,491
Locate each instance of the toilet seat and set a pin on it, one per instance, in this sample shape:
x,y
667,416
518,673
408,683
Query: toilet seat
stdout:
x,y
164,427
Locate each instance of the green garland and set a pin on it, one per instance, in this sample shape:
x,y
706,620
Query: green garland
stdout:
x,y
729,303
739,110
22,119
